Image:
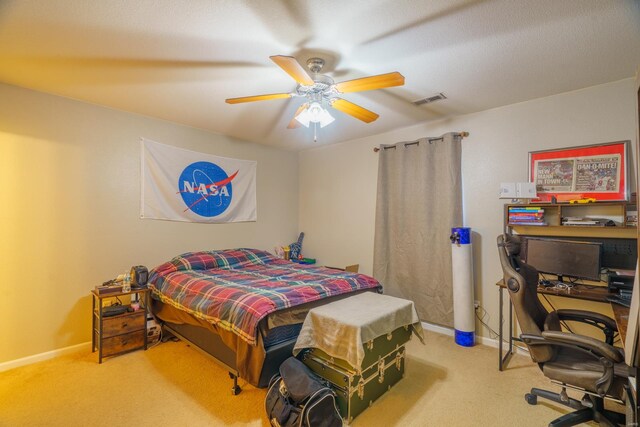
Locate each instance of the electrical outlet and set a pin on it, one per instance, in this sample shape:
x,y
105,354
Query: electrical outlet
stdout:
x,y
476,304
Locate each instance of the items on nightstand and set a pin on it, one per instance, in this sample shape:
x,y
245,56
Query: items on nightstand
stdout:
x,y
108,289
126,283
135,278
139,276
116,327
114,310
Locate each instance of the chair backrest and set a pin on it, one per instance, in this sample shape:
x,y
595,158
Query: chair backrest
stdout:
x,y
522,283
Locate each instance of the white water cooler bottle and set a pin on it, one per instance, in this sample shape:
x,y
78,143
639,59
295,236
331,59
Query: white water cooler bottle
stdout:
x,y
463,304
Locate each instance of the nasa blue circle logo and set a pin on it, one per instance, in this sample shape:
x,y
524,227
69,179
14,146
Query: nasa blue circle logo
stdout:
x,y
206,188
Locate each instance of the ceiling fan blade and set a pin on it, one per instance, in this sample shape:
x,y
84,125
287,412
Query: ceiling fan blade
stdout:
x,y
369,83
257,98
293,68
294,123
354,110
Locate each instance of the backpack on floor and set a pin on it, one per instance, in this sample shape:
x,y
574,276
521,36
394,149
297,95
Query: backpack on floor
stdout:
x,y
297,397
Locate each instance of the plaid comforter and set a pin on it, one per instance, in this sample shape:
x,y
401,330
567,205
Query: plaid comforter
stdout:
x,y
235,289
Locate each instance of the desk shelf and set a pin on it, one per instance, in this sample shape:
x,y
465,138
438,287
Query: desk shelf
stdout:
x,y
553,214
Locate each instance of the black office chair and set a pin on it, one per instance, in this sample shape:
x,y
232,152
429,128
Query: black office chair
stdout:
x,y
571,360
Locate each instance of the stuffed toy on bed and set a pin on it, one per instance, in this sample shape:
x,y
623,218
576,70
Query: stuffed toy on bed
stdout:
x,y
296,248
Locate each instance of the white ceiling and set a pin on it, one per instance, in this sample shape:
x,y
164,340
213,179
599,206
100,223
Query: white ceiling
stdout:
x,y
178,60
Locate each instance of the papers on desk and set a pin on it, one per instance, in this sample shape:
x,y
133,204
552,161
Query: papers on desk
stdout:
x,y
622,272
584,222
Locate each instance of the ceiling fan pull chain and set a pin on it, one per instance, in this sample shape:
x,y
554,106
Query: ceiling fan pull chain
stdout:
x,y
315,132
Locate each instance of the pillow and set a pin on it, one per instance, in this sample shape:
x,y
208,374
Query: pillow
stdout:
x,y
203,260
237,258
206,260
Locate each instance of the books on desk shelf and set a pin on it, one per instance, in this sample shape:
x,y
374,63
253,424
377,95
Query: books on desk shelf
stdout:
x,y
526,216
527,223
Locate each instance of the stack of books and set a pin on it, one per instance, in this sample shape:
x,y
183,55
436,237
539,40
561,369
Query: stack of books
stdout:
x,y
526,215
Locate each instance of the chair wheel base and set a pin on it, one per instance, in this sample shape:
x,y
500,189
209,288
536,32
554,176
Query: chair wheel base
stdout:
x,y
531,399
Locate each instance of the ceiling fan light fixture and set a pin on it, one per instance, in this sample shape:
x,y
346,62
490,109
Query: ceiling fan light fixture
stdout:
x,y
315,114
325,118
315,111
304,118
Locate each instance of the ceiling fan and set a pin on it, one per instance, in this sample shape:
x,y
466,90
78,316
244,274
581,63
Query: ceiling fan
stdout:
x,y
320,90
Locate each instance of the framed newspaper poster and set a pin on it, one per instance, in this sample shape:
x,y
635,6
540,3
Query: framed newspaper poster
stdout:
x,y
597,172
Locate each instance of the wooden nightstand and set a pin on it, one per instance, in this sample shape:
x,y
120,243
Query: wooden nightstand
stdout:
x,y
115,335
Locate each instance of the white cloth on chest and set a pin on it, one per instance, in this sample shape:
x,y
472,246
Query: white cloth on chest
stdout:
x,y
341,328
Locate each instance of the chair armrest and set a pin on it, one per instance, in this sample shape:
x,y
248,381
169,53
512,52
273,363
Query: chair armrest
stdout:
x,y
587,317
596,346
606,324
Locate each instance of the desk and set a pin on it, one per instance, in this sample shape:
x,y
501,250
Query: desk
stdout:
x,y
621,314
582,292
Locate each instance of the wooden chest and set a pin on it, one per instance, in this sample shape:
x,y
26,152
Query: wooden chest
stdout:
x,y
357,388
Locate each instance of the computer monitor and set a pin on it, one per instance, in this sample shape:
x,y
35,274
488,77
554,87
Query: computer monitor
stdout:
x,y
580,260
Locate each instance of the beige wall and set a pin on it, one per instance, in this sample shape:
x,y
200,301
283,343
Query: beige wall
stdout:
x,y
338,182
69,197
69,211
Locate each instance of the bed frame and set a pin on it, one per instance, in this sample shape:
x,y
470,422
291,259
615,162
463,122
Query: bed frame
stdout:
x,y
211,345
278,342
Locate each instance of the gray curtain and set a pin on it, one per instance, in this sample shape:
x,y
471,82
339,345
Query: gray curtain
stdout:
x,y
419,200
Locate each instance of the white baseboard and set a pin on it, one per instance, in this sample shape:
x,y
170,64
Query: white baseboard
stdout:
x,y
437,328
5,366
489,342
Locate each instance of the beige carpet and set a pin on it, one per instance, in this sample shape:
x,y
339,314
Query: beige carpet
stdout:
x,y
175,385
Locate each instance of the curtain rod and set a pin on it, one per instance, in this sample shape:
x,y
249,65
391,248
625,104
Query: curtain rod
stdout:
x,y
463,134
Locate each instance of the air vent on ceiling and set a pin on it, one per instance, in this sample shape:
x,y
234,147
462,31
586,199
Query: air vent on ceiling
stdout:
x,y
430,99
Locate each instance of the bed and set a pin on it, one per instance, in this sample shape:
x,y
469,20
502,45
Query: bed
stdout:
x,y
245,307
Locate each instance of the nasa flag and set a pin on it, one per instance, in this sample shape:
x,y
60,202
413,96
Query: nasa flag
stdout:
x,y
184,185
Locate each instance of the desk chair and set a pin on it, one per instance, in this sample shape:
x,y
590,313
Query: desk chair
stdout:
x,y
575,361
